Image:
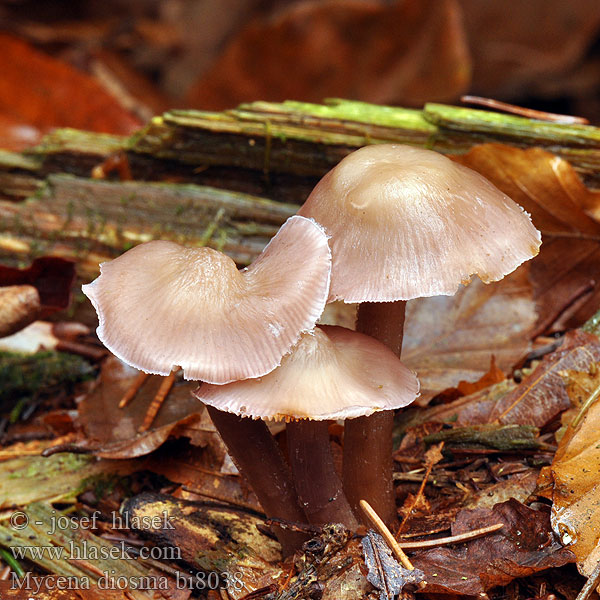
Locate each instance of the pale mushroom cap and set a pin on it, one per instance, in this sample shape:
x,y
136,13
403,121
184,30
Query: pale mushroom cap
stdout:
x,y
161,305
406,222
332,373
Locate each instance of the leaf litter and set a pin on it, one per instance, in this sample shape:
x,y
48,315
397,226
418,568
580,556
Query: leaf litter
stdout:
x,y
451,344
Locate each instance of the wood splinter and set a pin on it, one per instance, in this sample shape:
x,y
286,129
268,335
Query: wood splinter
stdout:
x,y
157,401
386,533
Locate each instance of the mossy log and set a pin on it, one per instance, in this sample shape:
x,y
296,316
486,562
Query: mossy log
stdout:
x,y
259,155
94,220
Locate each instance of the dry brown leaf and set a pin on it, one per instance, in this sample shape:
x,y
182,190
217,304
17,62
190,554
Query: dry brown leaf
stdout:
x,y
449,339
403,52
494,375
565,273
112,432
518,486
537,400
542,395
527,48
576,498
525,545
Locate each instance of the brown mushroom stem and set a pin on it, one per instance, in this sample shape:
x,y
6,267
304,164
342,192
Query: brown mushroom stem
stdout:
x,y
317,482
368,463
260,460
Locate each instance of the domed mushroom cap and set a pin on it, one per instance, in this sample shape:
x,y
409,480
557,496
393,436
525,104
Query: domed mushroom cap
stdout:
x,y
161,305
332,373
406,223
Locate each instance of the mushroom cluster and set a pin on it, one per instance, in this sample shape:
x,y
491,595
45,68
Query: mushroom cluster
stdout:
x,y
387,224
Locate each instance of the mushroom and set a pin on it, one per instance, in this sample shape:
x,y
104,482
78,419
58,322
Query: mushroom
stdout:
x,y
405,223
163,306
332,373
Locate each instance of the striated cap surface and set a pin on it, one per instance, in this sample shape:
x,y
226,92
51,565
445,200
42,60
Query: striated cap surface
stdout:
x,y
406,223
332,373
161,305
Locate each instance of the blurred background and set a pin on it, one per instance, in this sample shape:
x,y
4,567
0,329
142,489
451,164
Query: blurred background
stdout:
x,y
109,65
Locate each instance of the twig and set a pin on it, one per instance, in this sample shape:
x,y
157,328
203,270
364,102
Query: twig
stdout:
x,y
386,533
157,401
134,388
453,539
591,584
531,113
430,465
71,448
85,350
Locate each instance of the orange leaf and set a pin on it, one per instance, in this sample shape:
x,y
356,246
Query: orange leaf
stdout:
x,y
565,272
494,375
41,92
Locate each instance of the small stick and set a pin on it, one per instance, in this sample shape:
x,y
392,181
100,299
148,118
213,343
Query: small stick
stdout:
x,y
134,388
430,465
591,584
85,350
531,113
386,533
453,539
157,401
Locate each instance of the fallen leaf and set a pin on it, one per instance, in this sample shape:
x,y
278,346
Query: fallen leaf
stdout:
x,y
210,538
112,432
524,546
542,395
385,572
401,52
564,275
37,90
576,494
448,339
518,486
537,400
531,49
494,375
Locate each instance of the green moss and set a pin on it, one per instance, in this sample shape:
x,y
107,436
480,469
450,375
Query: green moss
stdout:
x,y
27,375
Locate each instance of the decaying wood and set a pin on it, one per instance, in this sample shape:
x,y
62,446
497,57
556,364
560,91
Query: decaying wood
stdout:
x,y
210,537
86,560
93,220
59,477
263,150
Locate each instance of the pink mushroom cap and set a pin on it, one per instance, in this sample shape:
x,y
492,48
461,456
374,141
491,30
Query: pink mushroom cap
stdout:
x,y
161,305
331,373
406,223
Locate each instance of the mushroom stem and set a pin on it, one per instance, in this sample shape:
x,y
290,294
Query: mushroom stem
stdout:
x,y
260,460
317,482
368,463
